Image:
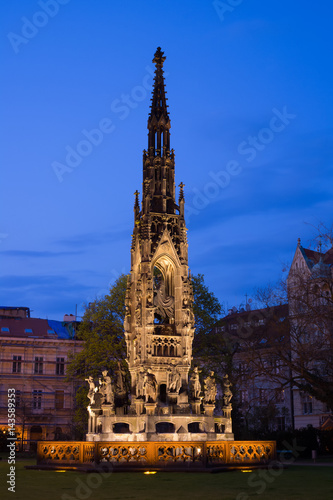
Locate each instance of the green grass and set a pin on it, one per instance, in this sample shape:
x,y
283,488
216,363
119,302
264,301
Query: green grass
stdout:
x,y
295,483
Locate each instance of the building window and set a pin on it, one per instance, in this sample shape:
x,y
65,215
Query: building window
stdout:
x,y
28,330
281,423
60,366
5,329
307,405
37,399
279,396
59,400
17,365
38,364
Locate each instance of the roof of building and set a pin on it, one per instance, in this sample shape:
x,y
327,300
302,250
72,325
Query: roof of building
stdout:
x,y
36,328
313,257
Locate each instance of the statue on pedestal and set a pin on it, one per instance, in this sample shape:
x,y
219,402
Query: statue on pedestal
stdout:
x,y
227,394
195,383
140,393
210,388
150,387
120,382
92,390
174,380
106,388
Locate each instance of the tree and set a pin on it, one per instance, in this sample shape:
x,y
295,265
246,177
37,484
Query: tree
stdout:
x,y
101,330
207,311
206,307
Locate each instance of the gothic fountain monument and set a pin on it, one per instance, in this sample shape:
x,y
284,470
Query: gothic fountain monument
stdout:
x,y
167,404
171,419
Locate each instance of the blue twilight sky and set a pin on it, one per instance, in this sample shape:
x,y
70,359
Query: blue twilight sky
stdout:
x,y
249,85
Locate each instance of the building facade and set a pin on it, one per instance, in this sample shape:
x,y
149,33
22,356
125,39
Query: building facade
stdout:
x,y
262,394
310,296
34,354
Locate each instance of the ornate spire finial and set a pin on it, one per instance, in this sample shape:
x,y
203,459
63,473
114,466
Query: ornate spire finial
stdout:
x,y
298,241
181,191
159,58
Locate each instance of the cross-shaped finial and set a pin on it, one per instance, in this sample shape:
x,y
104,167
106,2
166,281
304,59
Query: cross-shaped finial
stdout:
x,y
158,57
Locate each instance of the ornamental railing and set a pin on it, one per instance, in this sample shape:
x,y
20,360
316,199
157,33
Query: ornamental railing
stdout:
x,y
157,454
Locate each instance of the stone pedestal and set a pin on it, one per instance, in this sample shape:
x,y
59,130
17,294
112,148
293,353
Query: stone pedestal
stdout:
x,y
108,410
227,411
209,409
172,398
139,405
196,407
150,408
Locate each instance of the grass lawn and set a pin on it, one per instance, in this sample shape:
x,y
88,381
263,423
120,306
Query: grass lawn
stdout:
x,y
295,483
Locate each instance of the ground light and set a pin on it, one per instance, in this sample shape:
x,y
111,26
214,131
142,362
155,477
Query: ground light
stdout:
x,y
150,472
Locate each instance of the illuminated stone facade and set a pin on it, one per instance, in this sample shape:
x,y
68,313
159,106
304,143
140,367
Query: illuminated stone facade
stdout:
x,y
166,404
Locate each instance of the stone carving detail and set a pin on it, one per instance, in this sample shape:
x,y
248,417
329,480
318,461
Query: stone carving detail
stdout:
x,y
164,303
92,390
140,390
227,394
106,389
210,388
174,380
150,387
195,383
120,380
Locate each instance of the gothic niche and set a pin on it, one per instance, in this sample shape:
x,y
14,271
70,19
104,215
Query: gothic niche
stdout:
x,y
164,300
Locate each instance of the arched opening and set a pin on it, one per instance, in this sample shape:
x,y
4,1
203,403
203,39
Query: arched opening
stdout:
x,y
194,427
165,427
219,428
163,393
121,428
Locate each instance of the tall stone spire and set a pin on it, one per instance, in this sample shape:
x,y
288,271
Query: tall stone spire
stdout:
x,y
159,319
159,323
159,117
158,160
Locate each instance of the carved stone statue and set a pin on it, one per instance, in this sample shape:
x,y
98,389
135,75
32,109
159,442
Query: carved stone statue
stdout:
x,y
227,394
165,304
120,383
195,383
174,380
92,390
150,387
106,388
210,388
140,393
